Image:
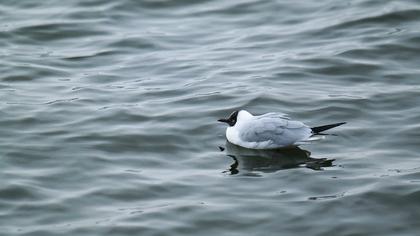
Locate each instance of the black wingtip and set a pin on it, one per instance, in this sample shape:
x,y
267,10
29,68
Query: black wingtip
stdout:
x,y
319,129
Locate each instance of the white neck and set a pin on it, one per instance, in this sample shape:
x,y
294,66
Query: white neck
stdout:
x,y
243,115
232,133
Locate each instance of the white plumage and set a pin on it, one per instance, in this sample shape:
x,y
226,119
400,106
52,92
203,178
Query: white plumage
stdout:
x,y
268,131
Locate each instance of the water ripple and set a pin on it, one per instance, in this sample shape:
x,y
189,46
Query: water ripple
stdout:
x,y
108,116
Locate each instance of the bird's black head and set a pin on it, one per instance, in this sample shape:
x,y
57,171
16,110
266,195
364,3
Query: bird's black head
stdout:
x,y
231,121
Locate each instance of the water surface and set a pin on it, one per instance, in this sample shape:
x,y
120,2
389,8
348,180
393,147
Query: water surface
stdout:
x,y
108,117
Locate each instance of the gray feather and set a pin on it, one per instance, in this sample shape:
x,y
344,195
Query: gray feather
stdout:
x,y
276,128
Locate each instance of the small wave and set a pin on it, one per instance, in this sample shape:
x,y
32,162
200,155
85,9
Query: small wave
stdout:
x,y
390,18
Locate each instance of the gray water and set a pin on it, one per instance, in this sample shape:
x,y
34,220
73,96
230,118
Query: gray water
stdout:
x,y
108,117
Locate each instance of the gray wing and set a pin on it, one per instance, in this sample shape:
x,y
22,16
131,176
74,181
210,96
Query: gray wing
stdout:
x,y
276,128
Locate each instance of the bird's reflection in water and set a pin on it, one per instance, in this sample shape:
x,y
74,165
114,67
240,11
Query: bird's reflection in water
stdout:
x,y
250,160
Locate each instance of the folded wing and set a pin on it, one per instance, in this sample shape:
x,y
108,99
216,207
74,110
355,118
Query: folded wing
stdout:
x,y
275,128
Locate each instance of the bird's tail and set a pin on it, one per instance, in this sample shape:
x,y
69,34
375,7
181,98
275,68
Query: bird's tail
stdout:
x,y
319,129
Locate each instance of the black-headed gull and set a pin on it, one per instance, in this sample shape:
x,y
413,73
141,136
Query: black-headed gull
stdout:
x,y
269,131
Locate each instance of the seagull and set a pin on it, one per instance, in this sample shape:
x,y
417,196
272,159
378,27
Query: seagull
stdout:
x,y
269,131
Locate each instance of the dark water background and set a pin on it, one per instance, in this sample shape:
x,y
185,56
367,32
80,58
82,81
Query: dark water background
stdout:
x,y
108,116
